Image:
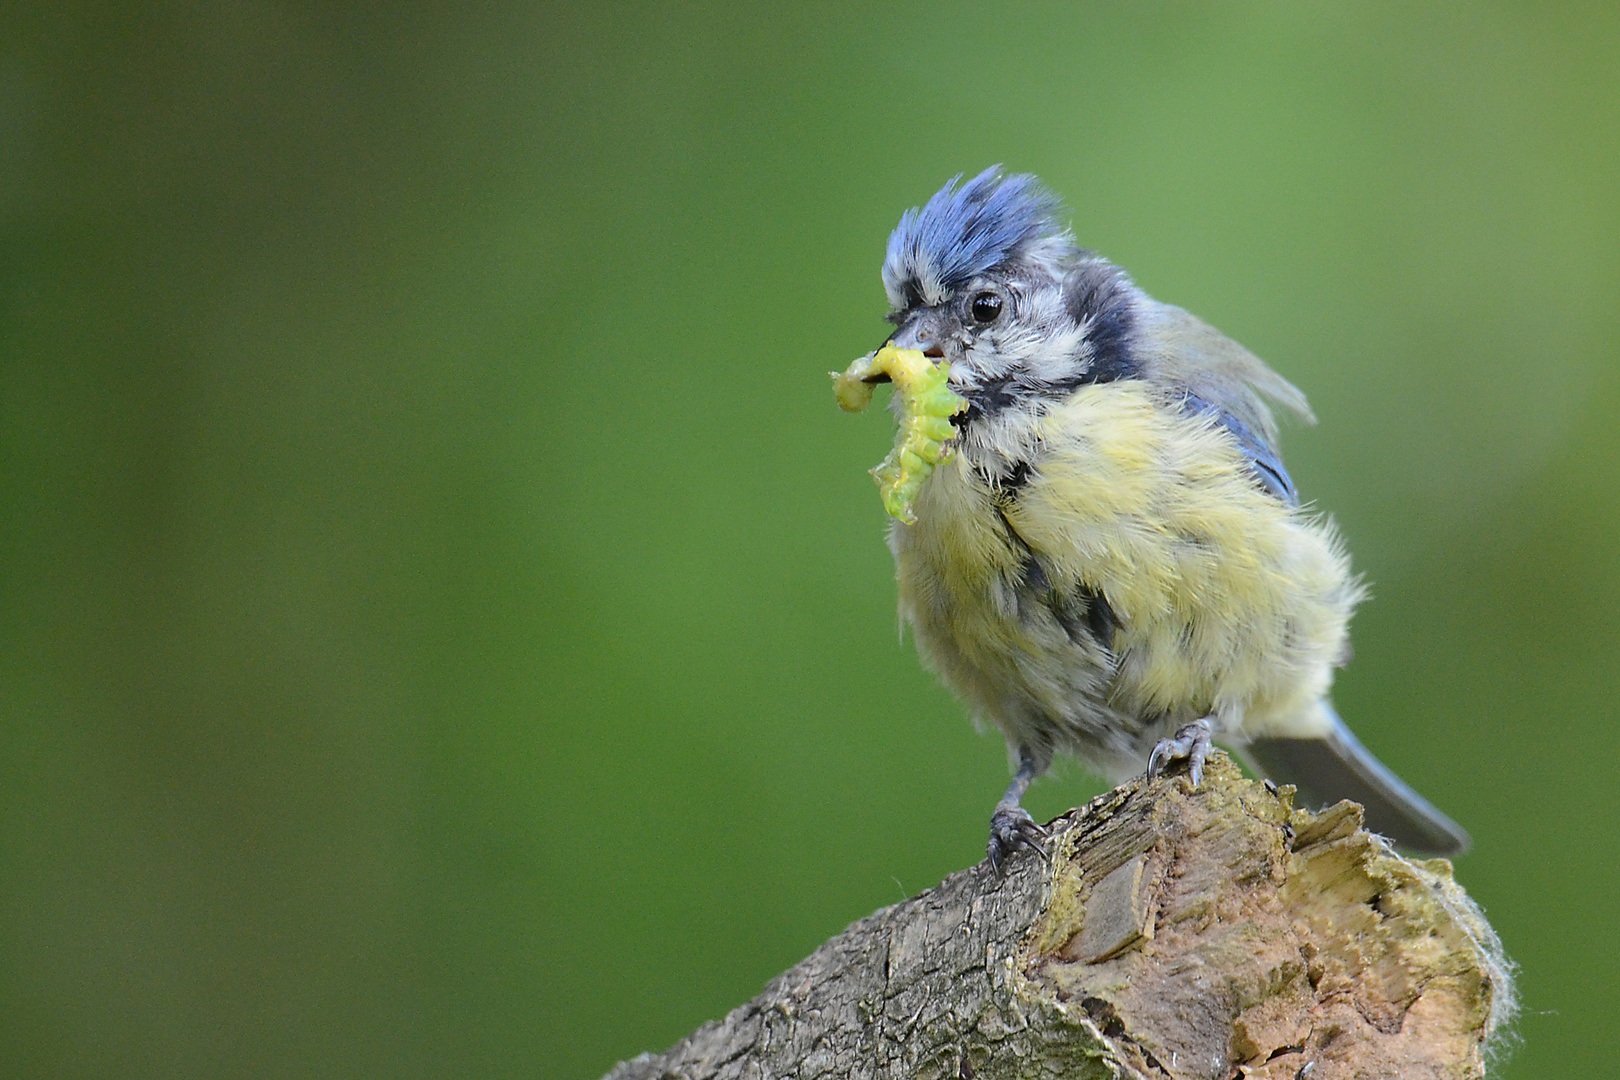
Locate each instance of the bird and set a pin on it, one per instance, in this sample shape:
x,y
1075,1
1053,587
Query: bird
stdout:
x,y
1113,562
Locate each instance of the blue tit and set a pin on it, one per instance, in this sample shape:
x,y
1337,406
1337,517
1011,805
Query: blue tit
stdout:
x,y
1114,562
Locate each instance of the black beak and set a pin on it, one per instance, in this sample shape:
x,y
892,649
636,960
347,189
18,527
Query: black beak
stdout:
x,y
917,334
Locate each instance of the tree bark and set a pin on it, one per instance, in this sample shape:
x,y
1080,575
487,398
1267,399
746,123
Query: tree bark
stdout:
x,y
1216,933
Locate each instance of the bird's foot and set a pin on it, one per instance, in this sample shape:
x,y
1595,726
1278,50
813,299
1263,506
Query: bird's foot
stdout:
x,y
1012,829
1191,744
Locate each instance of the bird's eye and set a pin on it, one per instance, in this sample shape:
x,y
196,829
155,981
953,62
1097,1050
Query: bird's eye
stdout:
x,y
986,307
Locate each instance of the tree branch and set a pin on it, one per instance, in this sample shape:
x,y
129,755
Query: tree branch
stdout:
x,y
1211,934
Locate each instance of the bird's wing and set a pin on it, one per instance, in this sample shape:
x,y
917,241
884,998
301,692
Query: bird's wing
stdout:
x,y
1264,461
1208,373
1183,350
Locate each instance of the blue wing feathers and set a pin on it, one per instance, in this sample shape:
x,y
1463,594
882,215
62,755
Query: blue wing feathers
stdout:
x,y
1264,462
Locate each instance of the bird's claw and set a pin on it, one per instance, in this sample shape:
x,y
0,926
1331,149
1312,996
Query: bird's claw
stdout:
x,y
1191,744
1012,829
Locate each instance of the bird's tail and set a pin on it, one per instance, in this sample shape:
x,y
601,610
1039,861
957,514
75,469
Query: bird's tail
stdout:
x,y
1336,766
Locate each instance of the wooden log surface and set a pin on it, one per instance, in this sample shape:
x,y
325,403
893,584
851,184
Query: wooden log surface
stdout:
x,y
1216,933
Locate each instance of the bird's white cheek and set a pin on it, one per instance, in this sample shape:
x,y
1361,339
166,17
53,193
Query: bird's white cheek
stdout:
x,y
1057,358
982,360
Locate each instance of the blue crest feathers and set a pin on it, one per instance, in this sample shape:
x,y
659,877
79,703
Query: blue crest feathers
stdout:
x,y
964,231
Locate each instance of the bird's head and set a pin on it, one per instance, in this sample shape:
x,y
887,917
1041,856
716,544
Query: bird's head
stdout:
x,y
987,277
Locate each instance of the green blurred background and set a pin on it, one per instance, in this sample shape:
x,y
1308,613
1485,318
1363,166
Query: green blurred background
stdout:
x,y
447,626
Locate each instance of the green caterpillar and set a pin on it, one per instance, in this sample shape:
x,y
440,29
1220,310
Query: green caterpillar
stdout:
x,y
926,407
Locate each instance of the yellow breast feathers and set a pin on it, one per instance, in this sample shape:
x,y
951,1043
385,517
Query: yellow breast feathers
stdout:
x,y
1227,600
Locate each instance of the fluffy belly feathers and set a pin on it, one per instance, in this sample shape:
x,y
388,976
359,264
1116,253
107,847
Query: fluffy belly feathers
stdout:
x,y
1137,578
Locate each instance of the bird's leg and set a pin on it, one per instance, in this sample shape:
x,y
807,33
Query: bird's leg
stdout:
x,y
1191,744
1011,827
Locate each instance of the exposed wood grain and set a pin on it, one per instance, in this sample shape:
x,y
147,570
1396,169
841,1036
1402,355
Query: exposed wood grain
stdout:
x,y
1210,934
